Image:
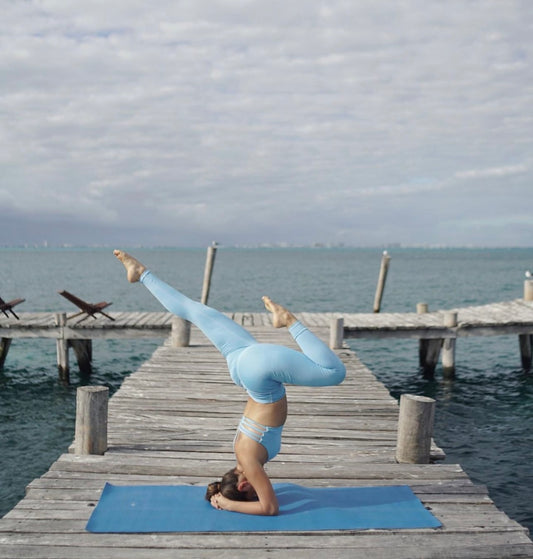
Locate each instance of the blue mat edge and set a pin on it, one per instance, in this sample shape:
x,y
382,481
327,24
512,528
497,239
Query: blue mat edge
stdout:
x,y
269,524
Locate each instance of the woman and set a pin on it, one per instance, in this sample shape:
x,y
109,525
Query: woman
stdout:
x,y
262,369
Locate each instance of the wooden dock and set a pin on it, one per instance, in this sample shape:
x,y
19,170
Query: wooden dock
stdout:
x,y
173,422
495,319
437,330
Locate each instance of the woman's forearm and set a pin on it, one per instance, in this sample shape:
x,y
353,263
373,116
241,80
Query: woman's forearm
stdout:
x,y
247,507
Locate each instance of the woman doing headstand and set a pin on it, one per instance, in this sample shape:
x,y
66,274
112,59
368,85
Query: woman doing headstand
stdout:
x,y
262,369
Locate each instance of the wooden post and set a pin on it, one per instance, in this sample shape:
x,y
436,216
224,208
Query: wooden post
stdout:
x,y
528,290
431,352
428,349
526,340
208,271
385,260
448,346
415,429
180,335
336,333
526,343
5,344
83,350
91,420
62,348
422,308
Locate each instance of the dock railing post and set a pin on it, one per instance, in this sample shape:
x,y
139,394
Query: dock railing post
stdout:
x,y
336,333
415,429
208,272
180,335
384,268
62,348
91,420
448,346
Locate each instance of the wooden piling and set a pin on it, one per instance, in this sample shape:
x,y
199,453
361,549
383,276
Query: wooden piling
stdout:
x,y
91,420
448,346
526,340
208,272
415,429
428,349
5,344
384,268
62,348
180,334
83,349
526,343
336,333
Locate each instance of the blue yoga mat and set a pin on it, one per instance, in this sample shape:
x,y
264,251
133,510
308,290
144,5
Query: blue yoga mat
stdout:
x,y
182,508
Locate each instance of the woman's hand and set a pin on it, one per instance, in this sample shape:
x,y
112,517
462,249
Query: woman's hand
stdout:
x,y
219,502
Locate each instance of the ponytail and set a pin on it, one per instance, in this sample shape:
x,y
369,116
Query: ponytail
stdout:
x,y
212,489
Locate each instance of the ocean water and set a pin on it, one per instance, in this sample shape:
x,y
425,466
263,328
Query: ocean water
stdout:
x,y
484,417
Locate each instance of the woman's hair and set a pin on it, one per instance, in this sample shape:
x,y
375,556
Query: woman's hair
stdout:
x,y
227,487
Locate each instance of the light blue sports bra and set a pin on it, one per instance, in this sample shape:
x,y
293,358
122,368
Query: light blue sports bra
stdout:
x,y
269,437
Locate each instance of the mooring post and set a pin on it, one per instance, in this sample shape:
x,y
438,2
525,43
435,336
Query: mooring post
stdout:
x,y
415,429
91,420
448,346
383,270
336,333
208,271
62,348
180,335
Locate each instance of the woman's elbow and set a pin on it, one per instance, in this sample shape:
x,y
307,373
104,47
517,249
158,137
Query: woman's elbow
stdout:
x,y
271,509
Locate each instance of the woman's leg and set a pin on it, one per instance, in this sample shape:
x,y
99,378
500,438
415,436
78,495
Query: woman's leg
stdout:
x,y
313,348
225,334
264,368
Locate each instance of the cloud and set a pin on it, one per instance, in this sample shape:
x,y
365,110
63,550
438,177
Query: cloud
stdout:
x,y
246,119
492,172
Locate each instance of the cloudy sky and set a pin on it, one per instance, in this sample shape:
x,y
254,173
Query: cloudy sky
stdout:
x,y
179,122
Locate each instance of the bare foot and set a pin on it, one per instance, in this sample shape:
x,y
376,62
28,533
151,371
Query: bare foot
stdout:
x,y
280,315
133,267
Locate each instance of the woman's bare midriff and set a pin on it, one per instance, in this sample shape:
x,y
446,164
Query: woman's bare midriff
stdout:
x,y
272,415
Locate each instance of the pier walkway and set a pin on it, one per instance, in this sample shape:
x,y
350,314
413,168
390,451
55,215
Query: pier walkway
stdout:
x,y
173,422
436,330
508,317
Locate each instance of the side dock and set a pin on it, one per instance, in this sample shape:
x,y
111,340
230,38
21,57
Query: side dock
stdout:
x,y
173,422
436,331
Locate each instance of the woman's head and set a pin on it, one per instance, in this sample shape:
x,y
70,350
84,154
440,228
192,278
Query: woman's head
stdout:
x,y
233,486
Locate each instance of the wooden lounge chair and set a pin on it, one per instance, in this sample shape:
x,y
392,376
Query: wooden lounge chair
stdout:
x,y
8,307
88,308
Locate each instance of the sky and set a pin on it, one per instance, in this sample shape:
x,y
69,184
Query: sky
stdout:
x,y
182,122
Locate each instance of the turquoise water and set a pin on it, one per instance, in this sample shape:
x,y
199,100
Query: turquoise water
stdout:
x,y
484,418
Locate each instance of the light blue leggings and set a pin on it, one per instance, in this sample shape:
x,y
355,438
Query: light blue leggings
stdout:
x,y
261,369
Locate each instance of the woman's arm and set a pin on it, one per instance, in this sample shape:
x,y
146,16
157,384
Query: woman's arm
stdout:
x,y
267,503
